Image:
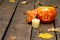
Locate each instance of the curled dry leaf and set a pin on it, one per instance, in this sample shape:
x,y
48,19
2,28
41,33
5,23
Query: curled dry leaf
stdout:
x,y
51,29
54,29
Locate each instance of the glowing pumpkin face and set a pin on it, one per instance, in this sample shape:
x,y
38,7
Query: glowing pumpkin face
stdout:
x,y
46,14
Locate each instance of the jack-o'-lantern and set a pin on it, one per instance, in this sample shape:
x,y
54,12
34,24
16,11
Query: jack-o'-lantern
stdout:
x,y
46,14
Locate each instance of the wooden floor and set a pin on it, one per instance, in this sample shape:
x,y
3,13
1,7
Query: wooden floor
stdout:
x,y
13,20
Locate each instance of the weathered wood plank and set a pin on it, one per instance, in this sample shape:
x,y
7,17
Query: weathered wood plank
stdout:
x,y
19,28
6,11
45,26
57,21
1,2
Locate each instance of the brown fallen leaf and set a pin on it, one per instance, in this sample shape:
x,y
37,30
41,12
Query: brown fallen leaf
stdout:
x,y
12,38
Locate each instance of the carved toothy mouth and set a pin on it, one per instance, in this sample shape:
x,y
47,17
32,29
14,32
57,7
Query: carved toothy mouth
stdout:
x,y
46,15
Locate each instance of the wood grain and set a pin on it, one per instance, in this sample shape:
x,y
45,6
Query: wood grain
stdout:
x,y
57,20
19,28
35,32
57,23
6,11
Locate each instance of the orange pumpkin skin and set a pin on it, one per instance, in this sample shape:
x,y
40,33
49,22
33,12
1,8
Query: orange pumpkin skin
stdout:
x,y
30,15
46,14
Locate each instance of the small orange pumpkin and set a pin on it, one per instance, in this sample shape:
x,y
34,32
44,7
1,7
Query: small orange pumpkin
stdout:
x,y
46,14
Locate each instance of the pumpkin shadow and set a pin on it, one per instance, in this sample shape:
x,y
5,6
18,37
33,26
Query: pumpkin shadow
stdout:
x,y
48,22
30,23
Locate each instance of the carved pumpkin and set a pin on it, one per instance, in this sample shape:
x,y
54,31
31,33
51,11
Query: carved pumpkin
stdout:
x,y
46,14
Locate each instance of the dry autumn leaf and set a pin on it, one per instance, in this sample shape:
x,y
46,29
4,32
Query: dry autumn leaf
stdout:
x,y
43,35
12,38
54,29
24,2
51,29
57,29
12,1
